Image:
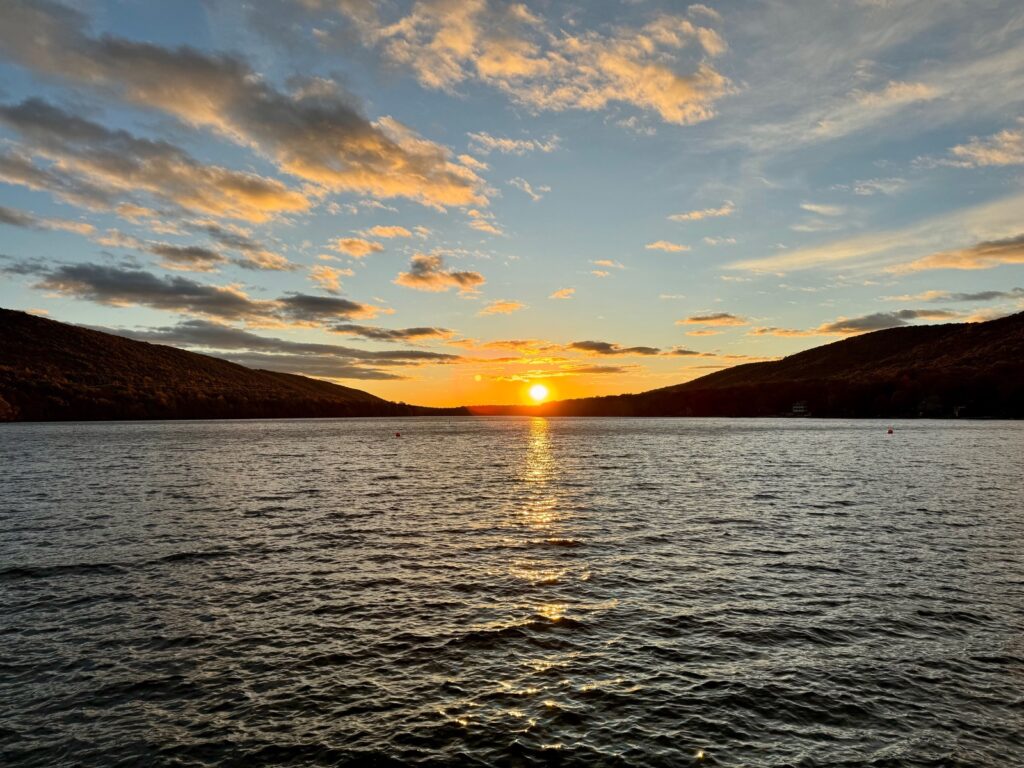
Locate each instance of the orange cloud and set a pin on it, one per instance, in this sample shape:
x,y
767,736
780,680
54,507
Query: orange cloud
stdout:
x,y
356,247
505,45
665,245
726,209
113,163
388,232
1004,148
501,307
328,278
984,255
311,131
563,293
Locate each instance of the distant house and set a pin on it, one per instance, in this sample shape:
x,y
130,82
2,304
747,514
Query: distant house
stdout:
x,y
799,408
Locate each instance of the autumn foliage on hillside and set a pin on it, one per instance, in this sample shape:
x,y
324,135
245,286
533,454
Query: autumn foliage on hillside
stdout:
x,y
52,371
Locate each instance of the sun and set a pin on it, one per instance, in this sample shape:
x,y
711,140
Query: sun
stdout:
x,y
539,393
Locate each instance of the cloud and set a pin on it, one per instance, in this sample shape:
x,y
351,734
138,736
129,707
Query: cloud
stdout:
x,y
887,186
328,278
523,185
246,348
881,320
388,231
701,331
862,108
699,9
428,273
713,318
189,258
392,334
983,255
600,370
563,293
255,254
823,210
726,209
608,348
195,258
997,223
482,223
501,307
15,218
18,168
471,162
608,263
684,352
1004,148
720,240
115,163
665,245
314,309
600,273
783,332
118,286
311,131
485,143
953,298
356,247
506,46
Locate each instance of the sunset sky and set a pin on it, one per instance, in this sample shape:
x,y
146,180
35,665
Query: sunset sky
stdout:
x,y
447,202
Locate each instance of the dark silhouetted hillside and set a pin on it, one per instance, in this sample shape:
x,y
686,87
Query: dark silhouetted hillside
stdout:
x,y
958,369
52,371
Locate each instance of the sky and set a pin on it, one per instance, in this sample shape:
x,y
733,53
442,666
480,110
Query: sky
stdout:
x,y
447,202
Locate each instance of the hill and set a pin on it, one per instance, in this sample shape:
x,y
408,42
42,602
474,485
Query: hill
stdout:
x,y
956,369
51,371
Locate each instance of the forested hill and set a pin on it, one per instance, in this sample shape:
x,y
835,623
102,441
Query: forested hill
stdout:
x,y
51,371
957,369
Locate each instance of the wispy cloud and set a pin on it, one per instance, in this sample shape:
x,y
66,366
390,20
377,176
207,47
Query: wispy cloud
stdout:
x,y
668,247
608,348
713,318
485,143
726,209
534,193
915,247
15,218
983,255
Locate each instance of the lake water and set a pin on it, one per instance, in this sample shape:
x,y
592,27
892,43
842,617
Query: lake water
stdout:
x,y
502,591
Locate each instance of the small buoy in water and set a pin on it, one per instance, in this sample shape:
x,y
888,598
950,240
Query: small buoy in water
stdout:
x,y
398,434
889,432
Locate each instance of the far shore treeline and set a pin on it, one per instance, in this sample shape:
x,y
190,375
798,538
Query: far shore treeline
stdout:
x,y
51,371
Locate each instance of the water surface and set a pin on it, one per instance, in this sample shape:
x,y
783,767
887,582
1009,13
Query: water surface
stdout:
x,y
508,591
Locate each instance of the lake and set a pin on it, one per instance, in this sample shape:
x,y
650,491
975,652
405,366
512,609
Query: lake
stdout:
x,y
512,591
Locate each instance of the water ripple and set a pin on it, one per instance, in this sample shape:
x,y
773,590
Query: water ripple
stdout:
x,y
512,592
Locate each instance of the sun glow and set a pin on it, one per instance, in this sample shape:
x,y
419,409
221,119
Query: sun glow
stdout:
x,y
539,393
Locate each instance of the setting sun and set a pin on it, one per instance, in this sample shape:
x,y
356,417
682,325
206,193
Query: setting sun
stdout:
x,y
539,393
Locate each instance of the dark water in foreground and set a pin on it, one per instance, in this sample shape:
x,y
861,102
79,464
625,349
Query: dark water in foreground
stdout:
x,y
512,592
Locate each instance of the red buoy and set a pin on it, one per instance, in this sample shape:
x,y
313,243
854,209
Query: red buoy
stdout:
x,y
398,434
